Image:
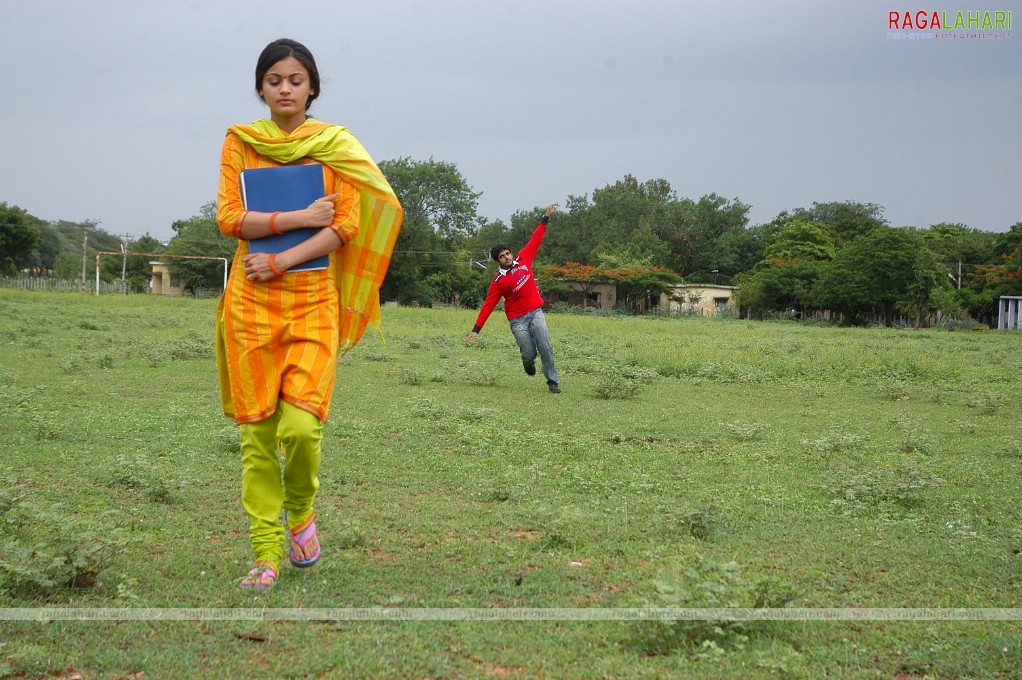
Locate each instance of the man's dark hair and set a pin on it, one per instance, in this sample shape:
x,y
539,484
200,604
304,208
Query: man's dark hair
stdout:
x,y
498,249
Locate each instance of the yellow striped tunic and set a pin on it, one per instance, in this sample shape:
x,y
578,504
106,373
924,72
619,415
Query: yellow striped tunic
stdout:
x,y
277,339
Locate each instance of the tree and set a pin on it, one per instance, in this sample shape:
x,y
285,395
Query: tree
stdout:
x,y
622,205
992,268
799,239
954,243
138,271
1009,240
60,248
440,285
582,229
200,235
848,220
637,284
571,235
643,249
48,247
928,284
434,194
791,265
68,265
440,219
489,234
585,276
19,233
711,234
877,272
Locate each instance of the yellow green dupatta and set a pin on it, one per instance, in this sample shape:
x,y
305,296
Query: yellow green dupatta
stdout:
x,y
362,262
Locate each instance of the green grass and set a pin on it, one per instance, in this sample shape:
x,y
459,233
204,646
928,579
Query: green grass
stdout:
x,y
691,463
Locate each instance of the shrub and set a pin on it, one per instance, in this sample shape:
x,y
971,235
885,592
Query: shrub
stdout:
x,y
615,387
708,585
191,346
410,376
72,363
745,432
136,475
697,522
46,550
902,486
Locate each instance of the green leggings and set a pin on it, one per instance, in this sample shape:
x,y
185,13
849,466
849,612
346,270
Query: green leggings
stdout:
x,y
263,494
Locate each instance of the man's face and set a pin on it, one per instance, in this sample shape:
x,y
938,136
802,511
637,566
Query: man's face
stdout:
x,y
505,259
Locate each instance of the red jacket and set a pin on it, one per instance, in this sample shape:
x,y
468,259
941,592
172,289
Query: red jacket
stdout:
x,y
516,285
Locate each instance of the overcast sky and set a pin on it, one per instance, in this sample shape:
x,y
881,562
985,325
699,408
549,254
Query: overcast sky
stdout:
x,y
115,110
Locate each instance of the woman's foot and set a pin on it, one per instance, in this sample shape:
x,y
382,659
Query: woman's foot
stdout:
x,y
304,544
262,577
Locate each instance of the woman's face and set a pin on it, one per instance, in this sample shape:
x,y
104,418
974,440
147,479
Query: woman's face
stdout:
x,y
286,90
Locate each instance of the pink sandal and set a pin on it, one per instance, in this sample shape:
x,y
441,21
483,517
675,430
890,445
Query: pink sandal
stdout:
x,y
262,577
303,535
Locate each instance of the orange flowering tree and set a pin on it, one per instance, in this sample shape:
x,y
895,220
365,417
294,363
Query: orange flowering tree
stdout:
x,y
635,284
574,277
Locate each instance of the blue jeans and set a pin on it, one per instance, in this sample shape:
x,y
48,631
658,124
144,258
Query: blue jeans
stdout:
x,y
532,335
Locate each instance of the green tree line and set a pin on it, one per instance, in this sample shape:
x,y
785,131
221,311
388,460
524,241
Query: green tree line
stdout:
x,y
34,247
842,260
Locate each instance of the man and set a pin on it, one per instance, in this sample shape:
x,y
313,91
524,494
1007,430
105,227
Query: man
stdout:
x,y
522,304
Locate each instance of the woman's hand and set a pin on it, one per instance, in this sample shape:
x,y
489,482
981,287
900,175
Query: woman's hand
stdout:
x,y
320,212
257,267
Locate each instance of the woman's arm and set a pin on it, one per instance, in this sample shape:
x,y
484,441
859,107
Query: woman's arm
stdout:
x,y
260,266
235,221
345,210
320,213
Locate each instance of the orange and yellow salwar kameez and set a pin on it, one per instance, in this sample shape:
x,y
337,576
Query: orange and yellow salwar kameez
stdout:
x,y
278,341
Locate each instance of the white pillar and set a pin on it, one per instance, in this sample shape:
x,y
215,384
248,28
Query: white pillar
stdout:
x,y
1009,311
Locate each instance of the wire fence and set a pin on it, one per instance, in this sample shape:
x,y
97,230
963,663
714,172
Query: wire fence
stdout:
x,y
76,286
65,285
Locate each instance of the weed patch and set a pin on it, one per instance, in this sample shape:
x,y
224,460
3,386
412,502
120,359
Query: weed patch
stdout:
x,y
902,485
137,475
47,550
615,387
709,584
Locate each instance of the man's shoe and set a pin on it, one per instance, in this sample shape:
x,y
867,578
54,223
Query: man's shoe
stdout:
x,y
530,367
555,388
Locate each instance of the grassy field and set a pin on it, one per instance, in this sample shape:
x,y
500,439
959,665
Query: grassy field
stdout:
x,y
688,463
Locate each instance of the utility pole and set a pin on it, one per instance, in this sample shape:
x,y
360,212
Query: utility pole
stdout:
x,y
124,262
958,280
124,265
85,244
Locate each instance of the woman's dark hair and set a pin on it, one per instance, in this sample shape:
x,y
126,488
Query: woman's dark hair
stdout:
x,y
282,49
498,249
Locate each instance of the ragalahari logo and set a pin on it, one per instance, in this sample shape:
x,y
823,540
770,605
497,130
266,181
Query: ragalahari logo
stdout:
x,y
940,24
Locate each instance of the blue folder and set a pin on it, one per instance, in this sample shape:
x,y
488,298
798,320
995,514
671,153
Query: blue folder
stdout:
x,y
284,188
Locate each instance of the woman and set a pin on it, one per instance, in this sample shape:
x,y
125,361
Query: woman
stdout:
x,y
279,332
